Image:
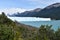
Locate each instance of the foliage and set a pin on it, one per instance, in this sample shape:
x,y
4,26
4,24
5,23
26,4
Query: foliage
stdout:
x,y
10,30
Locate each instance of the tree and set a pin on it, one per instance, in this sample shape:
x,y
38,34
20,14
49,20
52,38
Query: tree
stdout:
x,y
45,33
57,34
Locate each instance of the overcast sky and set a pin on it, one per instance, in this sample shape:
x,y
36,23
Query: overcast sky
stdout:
x,y
18,5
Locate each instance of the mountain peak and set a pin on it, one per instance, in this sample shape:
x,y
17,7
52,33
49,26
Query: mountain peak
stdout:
x,y
37,9
53,5
56,3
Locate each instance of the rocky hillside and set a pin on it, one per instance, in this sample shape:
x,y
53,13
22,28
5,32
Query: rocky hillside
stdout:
x,y
10,30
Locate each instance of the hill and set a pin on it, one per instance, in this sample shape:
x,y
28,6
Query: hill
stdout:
x,y
26,13
10,30
52,11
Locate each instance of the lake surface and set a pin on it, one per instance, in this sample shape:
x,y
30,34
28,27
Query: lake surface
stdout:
x,y
55,23
37,22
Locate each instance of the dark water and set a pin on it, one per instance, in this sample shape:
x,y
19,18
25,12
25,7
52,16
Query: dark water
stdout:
x,y
54,23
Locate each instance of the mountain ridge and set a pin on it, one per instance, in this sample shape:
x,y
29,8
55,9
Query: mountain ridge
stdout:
x,y
52,11
26,13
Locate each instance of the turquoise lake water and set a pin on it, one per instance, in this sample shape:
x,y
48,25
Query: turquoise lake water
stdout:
x,y
55,23
37,22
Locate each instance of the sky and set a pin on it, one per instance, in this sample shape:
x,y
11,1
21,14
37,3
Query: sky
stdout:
x,y
28,4
23,5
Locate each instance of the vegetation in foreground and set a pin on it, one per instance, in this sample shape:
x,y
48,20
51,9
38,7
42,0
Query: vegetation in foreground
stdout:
x,y
10,30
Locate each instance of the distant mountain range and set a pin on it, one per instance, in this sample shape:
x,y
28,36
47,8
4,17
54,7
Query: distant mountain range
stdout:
x,y
26,13
51,11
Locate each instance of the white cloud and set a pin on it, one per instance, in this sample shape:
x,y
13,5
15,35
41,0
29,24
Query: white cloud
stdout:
x,y
35,3
12,10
